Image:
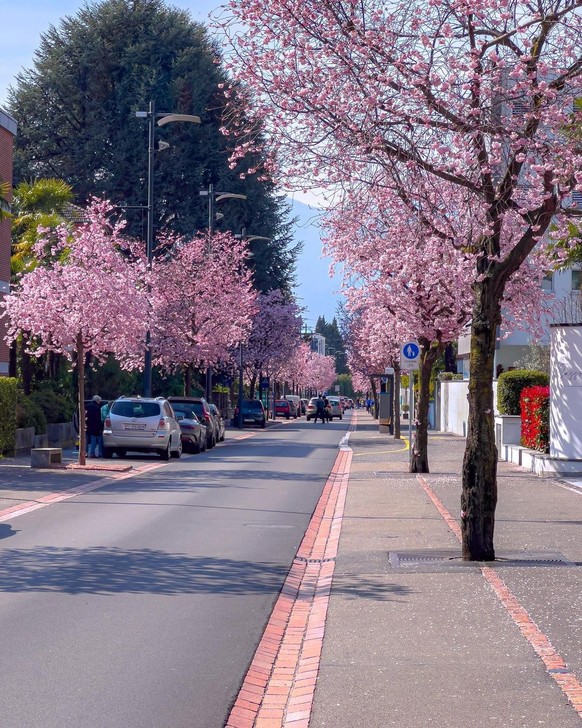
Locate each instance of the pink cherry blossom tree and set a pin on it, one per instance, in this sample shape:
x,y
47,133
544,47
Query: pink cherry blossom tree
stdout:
x,y
87,296
426,296
202,301
409,96
274,337
319,373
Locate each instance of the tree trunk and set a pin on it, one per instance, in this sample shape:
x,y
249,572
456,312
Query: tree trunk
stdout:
x,y
252,385
188,380
479,492
428,355
374,397
25,368
12,366
81,403
397,381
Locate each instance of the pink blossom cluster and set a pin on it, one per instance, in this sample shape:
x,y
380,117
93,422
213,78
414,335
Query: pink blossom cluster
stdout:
x,y
88,290
448,130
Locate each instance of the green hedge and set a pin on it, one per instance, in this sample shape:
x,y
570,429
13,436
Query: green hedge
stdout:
x,y
8,395
29,414
510,385
56,408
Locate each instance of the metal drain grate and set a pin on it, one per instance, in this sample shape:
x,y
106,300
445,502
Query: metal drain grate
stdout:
x,y
449,560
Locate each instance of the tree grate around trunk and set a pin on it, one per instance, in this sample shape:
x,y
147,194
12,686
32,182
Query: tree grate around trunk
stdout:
x,y
449,560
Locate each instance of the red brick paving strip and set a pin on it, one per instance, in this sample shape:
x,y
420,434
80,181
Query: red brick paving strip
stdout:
x,y
555,664
278,689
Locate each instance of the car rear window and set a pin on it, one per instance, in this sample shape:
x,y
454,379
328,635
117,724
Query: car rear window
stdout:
x,y
253,406
135,409
185,410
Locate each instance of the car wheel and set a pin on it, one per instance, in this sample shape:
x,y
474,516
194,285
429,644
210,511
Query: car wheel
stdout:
x,y
107,452
287,417
196,447
263,424
341,417
177,453
121,453
165,454
222,437
209,442
308,418
202,444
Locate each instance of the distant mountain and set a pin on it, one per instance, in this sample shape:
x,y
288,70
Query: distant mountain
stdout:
x,y
315,291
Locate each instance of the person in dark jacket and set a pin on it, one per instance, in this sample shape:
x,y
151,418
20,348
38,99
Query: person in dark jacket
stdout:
x,y
94,425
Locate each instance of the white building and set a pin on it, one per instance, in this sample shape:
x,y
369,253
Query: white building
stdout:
x,y
566,287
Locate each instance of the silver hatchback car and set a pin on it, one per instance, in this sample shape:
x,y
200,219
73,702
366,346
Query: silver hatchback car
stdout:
x,y
142,424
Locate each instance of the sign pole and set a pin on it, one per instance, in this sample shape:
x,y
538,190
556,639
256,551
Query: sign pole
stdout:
x,y
411,410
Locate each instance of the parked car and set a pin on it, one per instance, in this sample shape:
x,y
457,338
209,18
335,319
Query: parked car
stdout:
x,y
142,424
335,407
193,431
296,402
253,413
219,421
284,408
202,411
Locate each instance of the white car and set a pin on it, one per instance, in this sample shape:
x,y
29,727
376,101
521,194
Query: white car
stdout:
x,y
142,424
336,407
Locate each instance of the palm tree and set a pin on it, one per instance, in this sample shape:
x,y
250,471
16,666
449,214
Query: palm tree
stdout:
x,y
41,204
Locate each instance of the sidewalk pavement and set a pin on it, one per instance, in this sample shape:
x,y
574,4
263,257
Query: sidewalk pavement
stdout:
x,y
416,638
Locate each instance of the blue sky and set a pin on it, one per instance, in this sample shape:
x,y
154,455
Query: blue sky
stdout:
x,y
23,21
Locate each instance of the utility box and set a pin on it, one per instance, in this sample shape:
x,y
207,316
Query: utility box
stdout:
x,y
386,405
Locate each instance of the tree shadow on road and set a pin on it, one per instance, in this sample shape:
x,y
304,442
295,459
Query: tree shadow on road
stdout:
x,y
109,571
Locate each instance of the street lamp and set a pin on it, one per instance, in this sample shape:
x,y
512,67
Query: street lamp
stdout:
x,y
213,197
249,238
163,119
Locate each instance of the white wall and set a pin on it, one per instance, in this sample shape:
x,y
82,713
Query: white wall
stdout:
x,y
454,406
566,392
454,411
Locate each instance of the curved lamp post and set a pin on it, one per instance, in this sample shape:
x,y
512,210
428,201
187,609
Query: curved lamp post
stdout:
x,y
249,238
162,120
214,197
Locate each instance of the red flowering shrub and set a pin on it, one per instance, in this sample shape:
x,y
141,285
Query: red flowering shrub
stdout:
x,y
535,418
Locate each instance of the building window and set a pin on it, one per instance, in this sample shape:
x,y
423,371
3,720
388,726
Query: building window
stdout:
x,y
576,280
547,283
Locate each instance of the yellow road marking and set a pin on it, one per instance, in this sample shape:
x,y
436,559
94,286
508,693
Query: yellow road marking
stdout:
x,y
386,452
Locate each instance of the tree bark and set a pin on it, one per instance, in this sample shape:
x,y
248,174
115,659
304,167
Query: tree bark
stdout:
x,y
188,380
252,386
479,488
428,355
374,397
81,403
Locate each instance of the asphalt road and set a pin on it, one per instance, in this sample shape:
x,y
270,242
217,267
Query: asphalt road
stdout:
x,y
140,605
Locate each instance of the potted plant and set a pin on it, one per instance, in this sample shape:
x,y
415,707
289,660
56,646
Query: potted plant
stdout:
x,y
405,410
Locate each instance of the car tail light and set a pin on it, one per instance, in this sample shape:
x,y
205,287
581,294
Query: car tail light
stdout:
x,y
162,424
107,422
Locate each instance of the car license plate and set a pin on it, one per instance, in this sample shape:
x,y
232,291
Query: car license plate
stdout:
x,y
134,427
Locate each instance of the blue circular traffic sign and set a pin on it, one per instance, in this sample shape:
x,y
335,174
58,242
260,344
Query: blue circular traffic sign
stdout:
x,y
410,350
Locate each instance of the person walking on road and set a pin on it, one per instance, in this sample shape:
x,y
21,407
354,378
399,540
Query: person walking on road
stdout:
x,y
320,409
94,425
